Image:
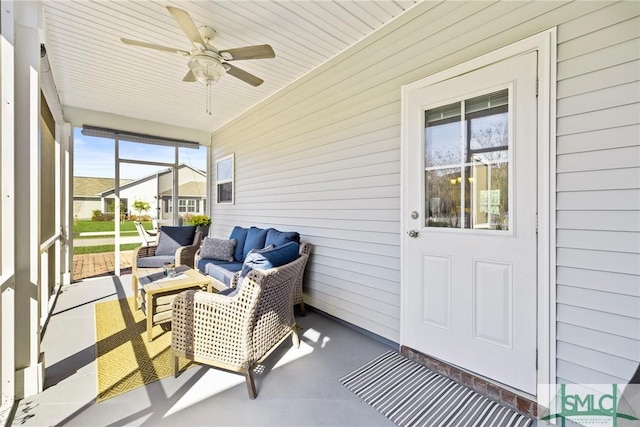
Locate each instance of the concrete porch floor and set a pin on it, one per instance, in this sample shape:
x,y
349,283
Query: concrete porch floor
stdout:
x,y
299,387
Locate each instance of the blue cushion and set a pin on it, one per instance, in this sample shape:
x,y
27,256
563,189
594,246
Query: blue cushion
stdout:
x,y
240,235
279,238
231,266
170,239
219,273
255,240
155,261
275,257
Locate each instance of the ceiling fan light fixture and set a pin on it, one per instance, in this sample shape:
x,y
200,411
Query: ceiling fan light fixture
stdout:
x,y
206,69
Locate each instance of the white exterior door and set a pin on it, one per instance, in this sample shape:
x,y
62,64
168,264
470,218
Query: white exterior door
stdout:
x,y
469,238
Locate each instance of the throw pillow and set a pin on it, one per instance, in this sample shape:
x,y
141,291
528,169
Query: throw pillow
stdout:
x,y
279,238
220,249
271,258
267,248
170,239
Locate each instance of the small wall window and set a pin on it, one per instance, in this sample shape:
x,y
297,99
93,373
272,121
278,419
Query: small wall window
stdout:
x,y
225,179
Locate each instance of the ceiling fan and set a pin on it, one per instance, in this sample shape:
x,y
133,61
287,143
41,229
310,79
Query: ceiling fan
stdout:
x,y
206,63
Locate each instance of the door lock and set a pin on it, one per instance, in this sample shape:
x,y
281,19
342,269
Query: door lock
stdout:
x,y
415,215
413,233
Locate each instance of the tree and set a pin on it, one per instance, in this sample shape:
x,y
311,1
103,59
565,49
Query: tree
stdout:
x,y
141,206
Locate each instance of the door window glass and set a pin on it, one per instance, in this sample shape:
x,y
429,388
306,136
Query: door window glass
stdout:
x,y
467,163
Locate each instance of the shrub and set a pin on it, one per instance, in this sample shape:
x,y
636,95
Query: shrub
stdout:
x,y
96,215
202,220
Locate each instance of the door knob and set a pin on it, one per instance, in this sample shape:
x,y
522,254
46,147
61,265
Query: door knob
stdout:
x,y
413,233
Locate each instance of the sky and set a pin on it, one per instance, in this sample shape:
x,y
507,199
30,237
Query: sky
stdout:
x,y
95,157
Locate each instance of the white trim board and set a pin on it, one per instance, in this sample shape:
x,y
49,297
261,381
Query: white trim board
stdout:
x,y
545,44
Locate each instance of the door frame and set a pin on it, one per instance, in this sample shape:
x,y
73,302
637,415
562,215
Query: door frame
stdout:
x,y
545,44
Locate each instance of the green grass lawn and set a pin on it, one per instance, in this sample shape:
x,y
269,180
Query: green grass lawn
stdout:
x,y
88,226
79,250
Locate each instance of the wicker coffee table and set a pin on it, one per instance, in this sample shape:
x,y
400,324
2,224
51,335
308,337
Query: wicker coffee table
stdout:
x,y
156,293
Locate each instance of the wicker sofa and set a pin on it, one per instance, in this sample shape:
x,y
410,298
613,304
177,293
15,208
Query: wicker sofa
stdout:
x,y
237,332
254,246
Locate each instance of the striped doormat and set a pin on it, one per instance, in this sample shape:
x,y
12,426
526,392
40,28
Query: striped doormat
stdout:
x,y
410,394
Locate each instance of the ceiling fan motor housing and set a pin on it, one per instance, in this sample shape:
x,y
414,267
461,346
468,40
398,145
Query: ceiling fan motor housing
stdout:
x,y
207,33
206,67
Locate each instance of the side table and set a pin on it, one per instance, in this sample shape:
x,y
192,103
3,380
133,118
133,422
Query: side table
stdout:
x,y
157,292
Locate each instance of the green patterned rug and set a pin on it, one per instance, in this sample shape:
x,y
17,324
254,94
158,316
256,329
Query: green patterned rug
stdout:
x,y
125,360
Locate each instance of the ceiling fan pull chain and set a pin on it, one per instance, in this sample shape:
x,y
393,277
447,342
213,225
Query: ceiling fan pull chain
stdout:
x,y
207,95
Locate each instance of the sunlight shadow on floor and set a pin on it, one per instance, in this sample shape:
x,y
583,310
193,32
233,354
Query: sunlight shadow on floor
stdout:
x,y
215,381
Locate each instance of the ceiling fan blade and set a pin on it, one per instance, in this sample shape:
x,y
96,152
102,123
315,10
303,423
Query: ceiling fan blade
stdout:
x,y
243,75
249,52
189,77
185,22
154,46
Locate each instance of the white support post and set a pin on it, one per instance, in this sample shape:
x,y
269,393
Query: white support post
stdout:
x,y
59,208
175,188
116,208
67,224
7,204
29,362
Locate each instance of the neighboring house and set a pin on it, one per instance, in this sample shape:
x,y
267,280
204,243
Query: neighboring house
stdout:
x,y
158,187
192,199
86,194
341,156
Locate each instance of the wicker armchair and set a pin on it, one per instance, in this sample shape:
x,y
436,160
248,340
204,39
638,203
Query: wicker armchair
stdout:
x,y
184,255
305,251
238,332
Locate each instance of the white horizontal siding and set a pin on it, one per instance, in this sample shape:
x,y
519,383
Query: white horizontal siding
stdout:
x,y
628,221
603,78
577,373
615,283
598,196
322,157
614,324
599,200
609,364
626,136
612,344
614,158
599,240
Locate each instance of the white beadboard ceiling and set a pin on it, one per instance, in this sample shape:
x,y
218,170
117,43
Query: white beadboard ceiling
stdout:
x,y
94,70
